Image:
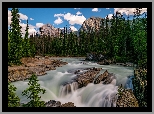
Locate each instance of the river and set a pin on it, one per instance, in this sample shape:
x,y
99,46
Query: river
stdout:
x,y
93,95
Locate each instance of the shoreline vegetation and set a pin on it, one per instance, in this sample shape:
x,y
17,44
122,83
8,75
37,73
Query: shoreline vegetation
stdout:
x,y
128,45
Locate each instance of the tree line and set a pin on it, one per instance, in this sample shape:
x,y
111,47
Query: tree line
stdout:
x,y
124,40
18,46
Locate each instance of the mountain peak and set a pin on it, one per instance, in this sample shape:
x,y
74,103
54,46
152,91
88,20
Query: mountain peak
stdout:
x,y
91,23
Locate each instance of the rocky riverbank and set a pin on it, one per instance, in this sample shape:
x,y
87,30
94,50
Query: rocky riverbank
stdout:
x,y
103,60
124,98
53,103
38,65
84,76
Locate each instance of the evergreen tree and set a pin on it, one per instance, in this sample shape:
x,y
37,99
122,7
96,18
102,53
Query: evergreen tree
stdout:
x,y
13,100
15,51
26,44
33,45
33,93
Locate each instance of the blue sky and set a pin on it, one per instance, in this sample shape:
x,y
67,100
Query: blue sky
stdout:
x,y
60,17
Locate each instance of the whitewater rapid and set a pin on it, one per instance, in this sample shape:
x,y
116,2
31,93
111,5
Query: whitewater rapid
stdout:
x,y
93,95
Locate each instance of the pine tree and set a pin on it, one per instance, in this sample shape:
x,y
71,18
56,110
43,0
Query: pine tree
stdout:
x,y
15,52
33,45
13,100
33,93
26,44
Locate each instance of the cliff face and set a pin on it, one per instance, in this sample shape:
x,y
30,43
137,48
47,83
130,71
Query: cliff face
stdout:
x,y
48,29
91,23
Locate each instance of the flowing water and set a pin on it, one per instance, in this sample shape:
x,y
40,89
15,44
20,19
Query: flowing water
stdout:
x,y
93,95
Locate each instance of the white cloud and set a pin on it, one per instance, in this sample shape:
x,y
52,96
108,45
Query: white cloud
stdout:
x,y
73,28
128,10
31,29
78,13
22,16
61,28
76,8
95,9
31,19
38,25
107,8
58,21
109,16
74,19
9,17
58,15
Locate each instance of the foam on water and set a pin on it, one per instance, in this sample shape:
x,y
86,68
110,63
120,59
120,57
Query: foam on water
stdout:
x,y
93,95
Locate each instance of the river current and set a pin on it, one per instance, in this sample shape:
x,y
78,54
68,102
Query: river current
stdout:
x,y
93,95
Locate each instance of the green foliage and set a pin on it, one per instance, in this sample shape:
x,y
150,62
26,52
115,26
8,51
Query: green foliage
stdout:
x,y
13,100
18,47
27,46
15,45
33,93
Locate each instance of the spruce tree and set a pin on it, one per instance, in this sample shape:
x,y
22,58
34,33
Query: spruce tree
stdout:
x,y
26,44
33,93
15,52
13,100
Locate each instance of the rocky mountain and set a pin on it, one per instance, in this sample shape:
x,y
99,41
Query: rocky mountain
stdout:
x,y
50,30
91,24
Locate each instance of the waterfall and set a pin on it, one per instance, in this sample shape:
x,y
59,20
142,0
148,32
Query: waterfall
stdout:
x,y
60,87
66,89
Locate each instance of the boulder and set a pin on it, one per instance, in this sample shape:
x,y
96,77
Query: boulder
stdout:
x,y
87,77
53,103
106,77
94,57
101,77
69,104
104,62
81,80
109,78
